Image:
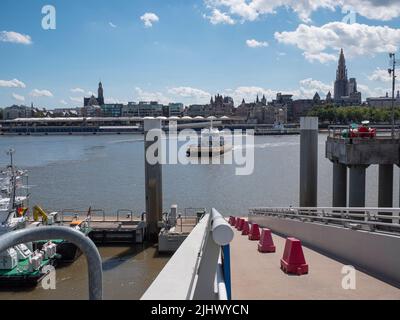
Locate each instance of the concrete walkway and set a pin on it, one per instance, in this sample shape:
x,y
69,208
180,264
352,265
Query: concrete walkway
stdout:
x,y
258,276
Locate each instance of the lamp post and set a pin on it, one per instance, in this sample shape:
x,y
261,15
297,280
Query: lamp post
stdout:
x,y
392,72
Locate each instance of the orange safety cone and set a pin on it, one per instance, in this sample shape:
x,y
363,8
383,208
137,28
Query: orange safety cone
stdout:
x,y
241,224
246,228
293,261
254,234
266,244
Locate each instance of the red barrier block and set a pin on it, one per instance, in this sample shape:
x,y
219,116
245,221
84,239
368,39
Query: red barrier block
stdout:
x,y
232,221
254,234
237,223
293,260
245,229
266,244
241,224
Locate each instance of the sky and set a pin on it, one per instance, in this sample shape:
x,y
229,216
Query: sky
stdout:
x,y
187,50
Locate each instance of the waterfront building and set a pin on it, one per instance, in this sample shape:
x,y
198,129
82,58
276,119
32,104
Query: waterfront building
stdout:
x,y
384,102
91,111
173,110
15,112
93,101
112,110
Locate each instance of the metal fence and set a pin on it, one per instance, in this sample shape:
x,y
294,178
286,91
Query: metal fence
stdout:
x,y
372,219
382,132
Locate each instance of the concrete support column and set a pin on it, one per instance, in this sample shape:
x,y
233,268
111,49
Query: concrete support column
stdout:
x,y
153,177
385,193
357,186
308,161
339,196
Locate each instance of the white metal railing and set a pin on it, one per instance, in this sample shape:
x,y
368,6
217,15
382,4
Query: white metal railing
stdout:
x,y
195,270
382,132
372,218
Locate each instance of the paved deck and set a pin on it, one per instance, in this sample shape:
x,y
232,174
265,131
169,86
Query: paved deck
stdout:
x,y
258,276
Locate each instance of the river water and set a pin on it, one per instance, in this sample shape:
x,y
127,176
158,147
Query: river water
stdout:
x,y
107,172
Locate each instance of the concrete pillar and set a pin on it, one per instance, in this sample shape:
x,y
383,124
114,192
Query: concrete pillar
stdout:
x,y
308,161
339,195
385,193
357,186
153,179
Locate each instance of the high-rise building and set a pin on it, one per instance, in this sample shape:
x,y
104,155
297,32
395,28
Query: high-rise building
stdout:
x,y
100,94
341,83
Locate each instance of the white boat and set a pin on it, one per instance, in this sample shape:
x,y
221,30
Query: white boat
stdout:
x,y
212,143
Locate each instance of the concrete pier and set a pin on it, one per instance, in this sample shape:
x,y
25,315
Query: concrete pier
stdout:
x,y
385,195
308,161
357,154
153,178
357,186
339,196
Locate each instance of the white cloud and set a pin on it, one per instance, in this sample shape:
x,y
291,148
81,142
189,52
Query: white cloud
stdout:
x,y
218,17
76,99
381,75
77,90
41,93
15,83
149,19
188,92
321,57
15,37
143,95
357,39
112,25
256,44
112,100
250,10
309,86
63,102
375,92
18,97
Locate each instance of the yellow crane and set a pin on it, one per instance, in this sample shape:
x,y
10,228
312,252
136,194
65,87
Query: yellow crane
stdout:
x,y
39,212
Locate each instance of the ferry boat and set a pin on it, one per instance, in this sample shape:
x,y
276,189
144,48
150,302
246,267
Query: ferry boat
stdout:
x,y
211,143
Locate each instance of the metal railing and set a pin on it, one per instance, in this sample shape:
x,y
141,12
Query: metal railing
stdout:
x,y
197,270
382,132
96,215
86,245
371,218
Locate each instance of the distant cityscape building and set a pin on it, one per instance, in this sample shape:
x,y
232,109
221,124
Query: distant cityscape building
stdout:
x,y
346,92
93,101
384,102
15,112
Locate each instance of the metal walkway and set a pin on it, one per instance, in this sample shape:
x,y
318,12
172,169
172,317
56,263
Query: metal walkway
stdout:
x,y
258,276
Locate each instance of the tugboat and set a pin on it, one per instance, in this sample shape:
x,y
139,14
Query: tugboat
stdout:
x,y
211,143
19,265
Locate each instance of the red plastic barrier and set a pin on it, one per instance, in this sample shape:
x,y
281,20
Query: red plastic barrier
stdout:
x,y
237,223
232,221
241,224
293,260
266,243
245,229
254,234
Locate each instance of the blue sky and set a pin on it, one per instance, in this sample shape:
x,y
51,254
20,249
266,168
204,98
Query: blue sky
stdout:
x,y
193,49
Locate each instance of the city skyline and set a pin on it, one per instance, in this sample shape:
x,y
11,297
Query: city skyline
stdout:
x,y
188,51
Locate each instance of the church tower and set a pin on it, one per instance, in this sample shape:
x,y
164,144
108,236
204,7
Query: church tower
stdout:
x,y
341,83
100,96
